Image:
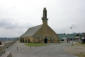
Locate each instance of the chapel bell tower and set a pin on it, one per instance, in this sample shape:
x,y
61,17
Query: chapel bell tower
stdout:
x,y
44,18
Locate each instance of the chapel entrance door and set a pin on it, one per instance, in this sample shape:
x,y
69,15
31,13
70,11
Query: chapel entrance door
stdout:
x,y
45,40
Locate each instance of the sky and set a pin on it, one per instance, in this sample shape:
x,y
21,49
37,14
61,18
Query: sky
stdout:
x,y
16,16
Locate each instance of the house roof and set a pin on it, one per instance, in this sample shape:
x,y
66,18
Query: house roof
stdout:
x,y
31,31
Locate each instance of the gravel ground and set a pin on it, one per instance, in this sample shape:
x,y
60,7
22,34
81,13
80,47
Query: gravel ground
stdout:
x,y
51,50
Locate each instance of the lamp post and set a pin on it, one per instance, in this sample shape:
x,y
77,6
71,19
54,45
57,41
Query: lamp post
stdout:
x,y
72,35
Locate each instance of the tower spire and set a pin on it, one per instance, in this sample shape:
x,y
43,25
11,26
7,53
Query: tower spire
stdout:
x,y
44,18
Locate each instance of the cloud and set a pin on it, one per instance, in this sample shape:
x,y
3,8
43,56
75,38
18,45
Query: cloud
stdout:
x,y
6,23
9,24
8,28
16,16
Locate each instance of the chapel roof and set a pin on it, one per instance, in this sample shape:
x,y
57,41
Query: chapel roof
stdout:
x,y
31,31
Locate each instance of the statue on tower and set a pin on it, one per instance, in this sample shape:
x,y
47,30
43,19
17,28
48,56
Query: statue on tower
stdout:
x,y
44,13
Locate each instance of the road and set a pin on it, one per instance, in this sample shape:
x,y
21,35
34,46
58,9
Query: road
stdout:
x,y
51,50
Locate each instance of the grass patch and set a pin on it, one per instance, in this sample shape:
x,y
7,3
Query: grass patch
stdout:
x,y
79,44
81,54
35,44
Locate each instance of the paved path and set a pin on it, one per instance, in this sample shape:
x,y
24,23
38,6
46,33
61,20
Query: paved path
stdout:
x,y
52,50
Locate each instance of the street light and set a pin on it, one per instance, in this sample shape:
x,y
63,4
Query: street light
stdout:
x,y
72,35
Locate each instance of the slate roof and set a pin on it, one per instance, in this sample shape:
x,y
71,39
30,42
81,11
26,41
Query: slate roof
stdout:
x,y
31,31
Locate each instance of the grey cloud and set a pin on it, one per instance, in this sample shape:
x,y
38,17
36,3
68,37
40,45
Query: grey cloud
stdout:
x,y
9,24
6,24
61,15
